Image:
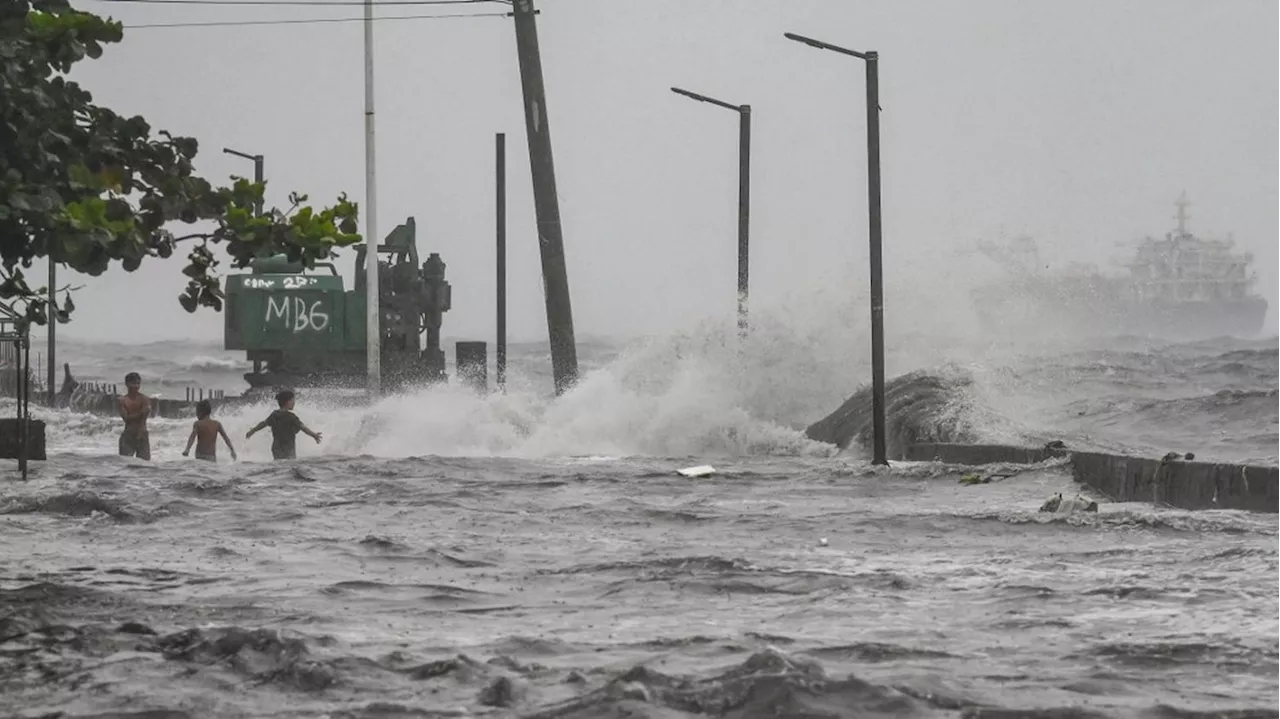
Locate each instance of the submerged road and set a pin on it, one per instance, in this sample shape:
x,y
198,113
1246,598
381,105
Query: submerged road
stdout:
x,y
368,587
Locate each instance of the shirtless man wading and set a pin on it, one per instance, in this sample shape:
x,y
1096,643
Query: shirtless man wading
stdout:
x,y
135,407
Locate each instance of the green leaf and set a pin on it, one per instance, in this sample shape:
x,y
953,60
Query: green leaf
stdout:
x,y
100,189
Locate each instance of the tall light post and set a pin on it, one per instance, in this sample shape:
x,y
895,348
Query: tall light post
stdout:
x,y
52,390
500,217
373,297
744,195
257,171
258,178
872,60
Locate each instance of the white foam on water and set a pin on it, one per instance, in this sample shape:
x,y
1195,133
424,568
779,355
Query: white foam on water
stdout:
x,y
697,391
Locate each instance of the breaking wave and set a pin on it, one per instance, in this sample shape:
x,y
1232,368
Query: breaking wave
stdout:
x,y
705,392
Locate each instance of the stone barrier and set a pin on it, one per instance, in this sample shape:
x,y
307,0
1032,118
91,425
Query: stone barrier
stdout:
x,y
1173,482
11,439
975,454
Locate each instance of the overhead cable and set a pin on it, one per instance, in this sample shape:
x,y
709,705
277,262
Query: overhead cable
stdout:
x,y
309,21
304,3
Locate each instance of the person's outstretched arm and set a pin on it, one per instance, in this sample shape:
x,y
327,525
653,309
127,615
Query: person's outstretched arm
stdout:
x,y
261,425
190,440
307,431
222,431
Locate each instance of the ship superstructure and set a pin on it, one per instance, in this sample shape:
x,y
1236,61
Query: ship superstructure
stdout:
x,y
1179,287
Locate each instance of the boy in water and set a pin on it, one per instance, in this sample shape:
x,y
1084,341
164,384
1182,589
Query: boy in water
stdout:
x,y
285,427
135,407
205,433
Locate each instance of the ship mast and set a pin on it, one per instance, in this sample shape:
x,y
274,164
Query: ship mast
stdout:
x,y
1182,204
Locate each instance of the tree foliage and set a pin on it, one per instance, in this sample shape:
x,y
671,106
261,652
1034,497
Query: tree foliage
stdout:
x,y
92,188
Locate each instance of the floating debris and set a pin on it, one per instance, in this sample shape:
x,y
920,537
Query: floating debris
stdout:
x,y
1058,505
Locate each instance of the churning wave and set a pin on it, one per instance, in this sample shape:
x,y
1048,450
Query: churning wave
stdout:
x,y
704,392
588,587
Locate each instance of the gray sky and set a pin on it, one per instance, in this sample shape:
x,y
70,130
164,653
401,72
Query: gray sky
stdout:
x,y
1076,122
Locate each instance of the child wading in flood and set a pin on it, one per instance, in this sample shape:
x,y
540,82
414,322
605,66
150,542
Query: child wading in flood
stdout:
x,y
205,433
135,407
285,427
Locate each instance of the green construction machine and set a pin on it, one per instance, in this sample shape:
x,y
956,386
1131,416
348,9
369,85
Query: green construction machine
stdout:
x,y
303,329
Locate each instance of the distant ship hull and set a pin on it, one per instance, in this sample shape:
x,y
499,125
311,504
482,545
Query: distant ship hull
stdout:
x,y
1007,312
1180,288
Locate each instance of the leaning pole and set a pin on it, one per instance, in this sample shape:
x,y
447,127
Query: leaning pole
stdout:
x,y
564,352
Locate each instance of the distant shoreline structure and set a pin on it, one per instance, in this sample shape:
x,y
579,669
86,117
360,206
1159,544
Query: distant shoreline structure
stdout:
x,y
1181,287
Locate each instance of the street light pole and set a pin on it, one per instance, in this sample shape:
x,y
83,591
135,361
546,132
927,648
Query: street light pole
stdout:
x,y
744,212
52,390
373,296
744,196
257,172
500,213
872,60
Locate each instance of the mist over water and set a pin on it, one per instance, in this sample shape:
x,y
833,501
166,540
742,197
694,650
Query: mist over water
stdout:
x,y
697,391
444,553
705,392
447,552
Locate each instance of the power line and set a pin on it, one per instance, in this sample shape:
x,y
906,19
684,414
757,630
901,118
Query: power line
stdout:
x,y
309,21
306,3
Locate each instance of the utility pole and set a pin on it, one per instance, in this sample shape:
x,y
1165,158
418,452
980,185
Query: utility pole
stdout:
x,y
53,327
564,352
500,214
373,314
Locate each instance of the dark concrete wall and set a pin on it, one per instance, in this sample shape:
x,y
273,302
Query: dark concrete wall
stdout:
x,y
9,444
1189,485
978,453
1177,483
108,405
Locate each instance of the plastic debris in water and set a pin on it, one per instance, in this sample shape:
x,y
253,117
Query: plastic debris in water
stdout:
x,y
702,470
1057,504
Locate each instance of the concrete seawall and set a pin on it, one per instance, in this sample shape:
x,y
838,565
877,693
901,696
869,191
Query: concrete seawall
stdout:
x,y
1177,483
11,441
108,405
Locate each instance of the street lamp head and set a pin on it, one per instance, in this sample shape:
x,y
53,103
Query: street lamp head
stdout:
x,y
245,155
801,38
686,93
704,98
827,46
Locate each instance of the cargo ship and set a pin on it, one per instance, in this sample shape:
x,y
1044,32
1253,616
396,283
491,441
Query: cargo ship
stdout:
x,y
1180,287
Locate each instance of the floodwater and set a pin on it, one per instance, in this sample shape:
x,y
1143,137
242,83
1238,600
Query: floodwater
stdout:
x,y
607,588
443,554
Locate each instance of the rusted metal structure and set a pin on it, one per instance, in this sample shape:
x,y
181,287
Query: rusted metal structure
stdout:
x,y
21,438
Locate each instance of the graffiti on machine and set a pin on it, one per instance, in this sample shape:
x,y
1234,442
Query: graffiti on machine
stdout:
x,y
300,326
297,314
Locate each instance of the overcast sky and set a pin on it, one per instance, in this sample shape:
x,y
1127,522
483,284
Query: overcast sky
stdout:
x,y
1076,122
